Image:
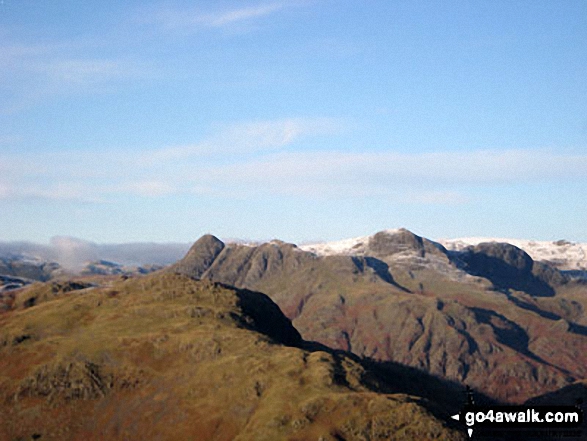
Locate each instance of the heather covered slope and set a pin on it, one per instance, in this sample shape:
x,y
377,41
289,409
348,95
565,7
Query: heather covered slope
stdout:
x,y
165,357
488,316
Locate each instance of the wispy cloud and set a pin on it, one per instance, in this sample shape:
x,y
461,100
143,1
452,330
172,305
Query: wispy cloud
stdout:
x,y
238,15
421,175
172,19
86,72
250,137
99,175
262,158
32,73
54,191
13,54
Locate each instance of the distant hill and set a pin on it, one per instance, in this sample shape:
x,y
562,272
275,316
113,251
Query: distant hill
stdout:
x,y
72,253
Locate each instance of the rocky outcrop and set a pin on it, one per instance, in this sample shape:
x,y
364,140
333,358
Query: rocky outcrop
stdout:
x,y
384,244
509,267
67,381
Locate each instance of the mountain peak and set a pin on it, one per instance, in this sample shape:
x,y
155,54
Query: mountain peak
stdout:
x,y
383,243
200,256
208,239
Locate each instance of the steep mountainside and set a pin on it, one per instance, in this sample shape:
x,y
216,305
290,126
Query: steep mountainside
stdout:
x,y
166,357
489,317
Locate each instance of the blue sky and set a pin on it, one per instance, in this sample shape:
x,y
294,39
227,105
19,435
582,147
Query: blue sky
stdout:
x,y
296,119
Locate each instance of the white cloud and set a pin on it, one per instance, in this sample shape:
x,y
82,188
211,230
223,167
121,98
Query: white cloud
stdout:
x,y
237,15
172,19
332,173
32,73
56,191
73,253
256,159
250,137
84,72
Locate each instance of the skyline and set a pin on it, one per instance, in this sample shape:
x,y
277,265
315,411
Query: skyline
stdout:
x,y
298,120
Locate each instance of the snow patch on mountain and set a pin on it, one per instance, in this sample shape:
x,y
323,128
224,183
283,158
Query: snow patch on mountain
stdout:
x,y
347,247
562,254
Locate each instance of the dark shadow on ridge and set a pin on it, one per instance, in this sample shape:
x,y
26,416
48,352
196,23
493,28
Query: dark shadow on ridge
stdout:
x,y
382,270
506,272
578,329
441,397
511,335
264,316
533,308
574,328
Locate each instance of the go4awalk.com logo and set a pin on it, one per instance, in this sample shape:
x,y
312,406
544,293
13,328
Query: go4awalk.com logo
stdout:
x,y
525,421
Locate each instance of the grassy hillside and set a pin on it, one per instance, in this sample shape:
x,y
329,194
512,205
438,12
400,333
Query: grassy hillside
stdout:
x,y
165,357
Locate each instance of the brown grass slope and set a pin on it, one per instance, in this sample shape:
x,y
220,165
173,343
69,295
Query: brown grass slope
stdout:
x,y
166,357
490,318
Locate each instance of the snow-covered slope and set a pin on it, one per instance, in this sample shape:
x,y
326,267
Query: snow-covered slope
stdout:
x,y
347,247
562,254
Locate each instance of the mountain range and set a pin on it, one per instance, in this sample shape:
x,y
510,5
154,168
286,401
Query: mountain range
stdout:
x,y
73,254
488,315
345,335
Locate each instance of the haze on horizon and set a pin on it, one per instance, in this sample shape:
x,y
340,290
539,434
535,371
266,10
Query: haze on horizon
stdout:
x,y
297,119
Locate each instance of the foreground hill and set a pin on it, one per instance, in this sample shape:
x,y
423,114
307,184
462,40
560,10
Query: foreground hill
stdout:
x,y
488,316
166,357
